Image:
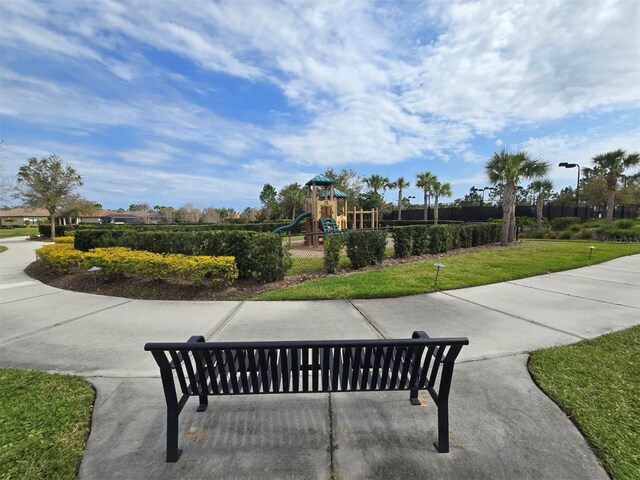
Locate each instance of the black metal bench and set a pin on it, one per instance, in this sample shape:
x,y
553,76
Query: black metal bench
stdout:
x,y
240,368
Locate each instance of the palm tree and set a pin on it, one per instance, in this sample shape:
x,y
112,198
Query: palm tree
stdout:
x,y
507,169
376,182
426,181
612,165
439,189
542,188
400,184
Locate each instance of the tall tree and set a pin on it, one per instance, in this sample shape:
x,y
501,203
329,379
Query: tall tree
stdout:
x,y
46,183
439,190
142,210
542,189
247,215
376,182
613,165
507,169
426,181
400,184
347,180
471,199
268,199
629,194
566,195
74,206
210,215
188,213
167,213
291,200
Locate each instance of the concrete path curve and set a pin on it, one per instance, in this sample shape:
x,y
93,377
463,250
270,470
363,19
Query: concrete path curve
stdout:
x,y
502,426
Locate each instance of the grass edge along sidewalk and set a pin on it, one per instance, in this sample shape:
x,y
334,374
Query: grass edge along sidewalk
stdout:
x,y
597,384
44,424
461,270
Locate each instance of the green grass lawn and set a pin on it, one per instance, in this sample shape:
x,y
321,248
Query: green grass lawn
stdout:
x,y
44,424
18,232
461,270
597,383
3,248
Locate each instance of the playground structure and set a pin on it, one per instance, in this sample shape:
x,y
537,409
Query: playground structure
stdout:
x,y
327,212
359,214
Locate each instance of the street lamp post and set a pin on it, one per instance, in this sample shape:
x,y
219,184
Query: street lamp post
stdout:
x,y
476,190
573,165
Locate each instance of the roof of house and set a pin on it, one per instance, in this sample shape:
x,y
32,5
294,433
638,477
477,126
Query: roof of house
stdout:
x,y
24,212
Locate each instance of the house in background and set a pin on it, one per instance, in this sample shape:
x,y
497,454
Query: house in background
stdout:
x,y
102,217
19,217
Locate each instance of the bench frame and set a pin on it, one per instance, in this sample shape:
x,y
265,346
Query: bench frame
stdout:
x,y
305,367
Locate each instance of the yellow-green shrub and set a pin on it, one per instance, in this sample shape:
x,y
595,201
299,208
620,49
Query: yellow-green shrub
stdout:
x,y
63,240
61,256
111,261
118,261
197,268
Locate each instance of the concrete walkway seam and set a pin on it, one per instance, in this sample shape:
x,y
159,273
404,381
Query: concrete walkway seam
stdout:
x,y
32,297
65,322
26,283
573,334
566,274
226,320
575,296
376,329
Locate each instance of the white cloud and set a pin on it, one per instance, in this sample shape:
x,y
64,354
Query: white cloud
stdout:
x,y
368,84
502,62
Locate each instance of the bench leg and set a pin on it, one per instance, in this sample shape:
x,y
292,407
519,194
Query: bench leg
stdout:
x,y
413,397
203,403
172,435
442,445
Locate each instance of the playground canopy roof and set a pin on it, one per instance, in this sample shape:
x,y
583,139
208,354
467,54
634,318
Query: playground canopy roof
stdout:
x,y
336,193
320,180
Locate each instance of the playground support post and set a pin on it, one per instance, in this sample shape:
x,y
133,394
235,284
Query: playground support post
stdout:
x,y
374,218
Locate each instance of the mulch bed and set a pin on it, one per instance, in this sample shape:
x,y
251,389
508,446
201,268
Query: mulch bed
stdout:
x,y
143,288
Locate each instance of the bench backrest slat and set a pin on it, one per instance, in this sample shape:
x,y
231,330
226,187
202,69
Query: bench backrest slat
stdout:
x,y
229,371
221,369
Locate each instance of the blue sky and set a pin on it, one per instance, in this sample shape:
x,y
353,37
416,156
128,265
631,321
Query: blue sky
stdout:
x,y
169,102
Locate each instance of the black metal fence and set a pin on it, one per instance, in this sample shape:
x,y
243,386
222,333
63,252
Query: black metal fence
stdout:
x,y
482,214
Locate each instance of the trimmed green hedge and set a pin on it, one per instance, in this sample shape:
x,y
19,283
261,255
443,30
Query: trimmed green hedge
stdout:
x,y
365,247
421,239
259,255
266,227
332,245
61,230
402,241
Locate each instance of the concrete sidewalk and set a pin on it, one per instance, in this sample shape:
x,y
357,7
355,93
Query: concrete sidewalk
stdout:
x,y
502,426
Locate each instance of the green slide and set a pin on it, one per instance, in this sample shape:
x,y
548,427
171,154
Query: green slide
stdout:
x,y
298,219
